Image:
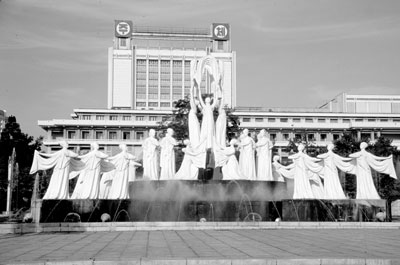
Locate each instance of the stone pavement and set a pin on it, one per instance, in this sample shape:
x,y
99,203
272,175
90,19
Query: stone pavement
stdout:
x,y
238,246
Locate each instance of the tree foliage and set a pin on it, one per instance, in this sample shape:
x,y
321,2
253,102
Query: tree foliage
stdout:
x,y
24,145
311,148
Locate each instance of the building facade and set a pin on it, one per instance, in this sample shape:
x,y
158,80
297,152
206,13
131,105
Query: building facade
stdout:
x,y
149,69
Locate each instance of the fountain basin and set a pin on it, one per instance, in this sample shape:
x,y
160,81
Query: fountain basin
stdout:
x,y
211,201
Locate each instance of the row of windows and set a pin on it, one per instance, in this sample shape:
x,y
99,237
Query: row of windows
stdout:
x,y
123,117
320,136
140,104
319,120
139,135
110,135
309,136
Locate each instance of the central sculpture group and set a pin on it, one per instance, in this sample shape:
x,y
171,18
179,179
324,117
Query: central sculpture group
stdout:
x,y
207,141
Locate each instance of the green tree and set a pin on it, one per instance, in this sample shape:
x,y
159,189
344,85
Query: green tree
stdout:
x,y
13,138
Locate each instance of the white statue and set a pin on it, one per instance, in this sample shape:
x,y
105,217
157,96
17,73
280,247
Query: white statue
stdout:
x,y
229,163
220,136
213,67
207,131
167,156
331,161
150,156
88,183
246,160
193,121
364,161
63,162
264,147
193,157
220,125
120,181
306,174
105,185
133,165
279,171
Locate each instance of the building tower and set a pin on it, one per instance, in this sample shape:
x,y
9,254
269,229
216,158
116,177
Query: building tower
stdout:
x,y
149,68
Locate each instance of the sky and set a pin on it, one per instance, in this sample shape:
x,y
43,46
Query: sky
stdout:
x,y
290,53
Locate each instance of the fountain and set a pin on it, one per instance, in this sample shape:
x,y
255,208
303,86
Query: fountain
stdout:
x,y
189,196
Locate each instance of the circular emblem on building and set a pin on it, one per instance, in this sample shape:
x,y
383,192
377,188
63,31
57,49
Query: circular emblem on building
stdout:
x,y
123,28
220,31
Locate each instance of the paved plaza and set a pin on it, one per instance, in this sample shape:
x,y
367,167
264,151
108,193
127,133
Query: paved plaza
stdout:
x,y
236,246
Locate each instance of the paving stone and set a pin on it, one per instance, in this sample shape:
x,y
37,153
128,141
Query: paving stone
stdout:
x,y
163,262
208,262
298,262
343,261
253,262
117,262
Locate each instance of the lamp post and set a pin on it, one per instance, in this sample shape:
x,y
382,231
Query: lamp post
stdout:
x,y
11,162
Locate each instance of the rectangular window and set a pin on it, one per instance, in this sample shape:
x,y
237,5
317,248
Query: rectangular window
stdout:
x,y
310,137
384,120
141,68
126,135
153,104
123,42
309,120
259,119
113,117
140,118
359,120
323,136
246,119
71,134
126,118
153,118
165,104
286,136
220,45
336,136
99,135
321,120
272,136
139,135
372,120
85,134
100,117
297,136
271,119
86,117
346,120
140,104
296,119
334,120
112,135
283,119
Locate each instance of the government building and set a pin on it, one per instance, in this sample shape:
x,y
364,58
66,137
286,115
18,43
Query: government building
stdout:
x,y
149,69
